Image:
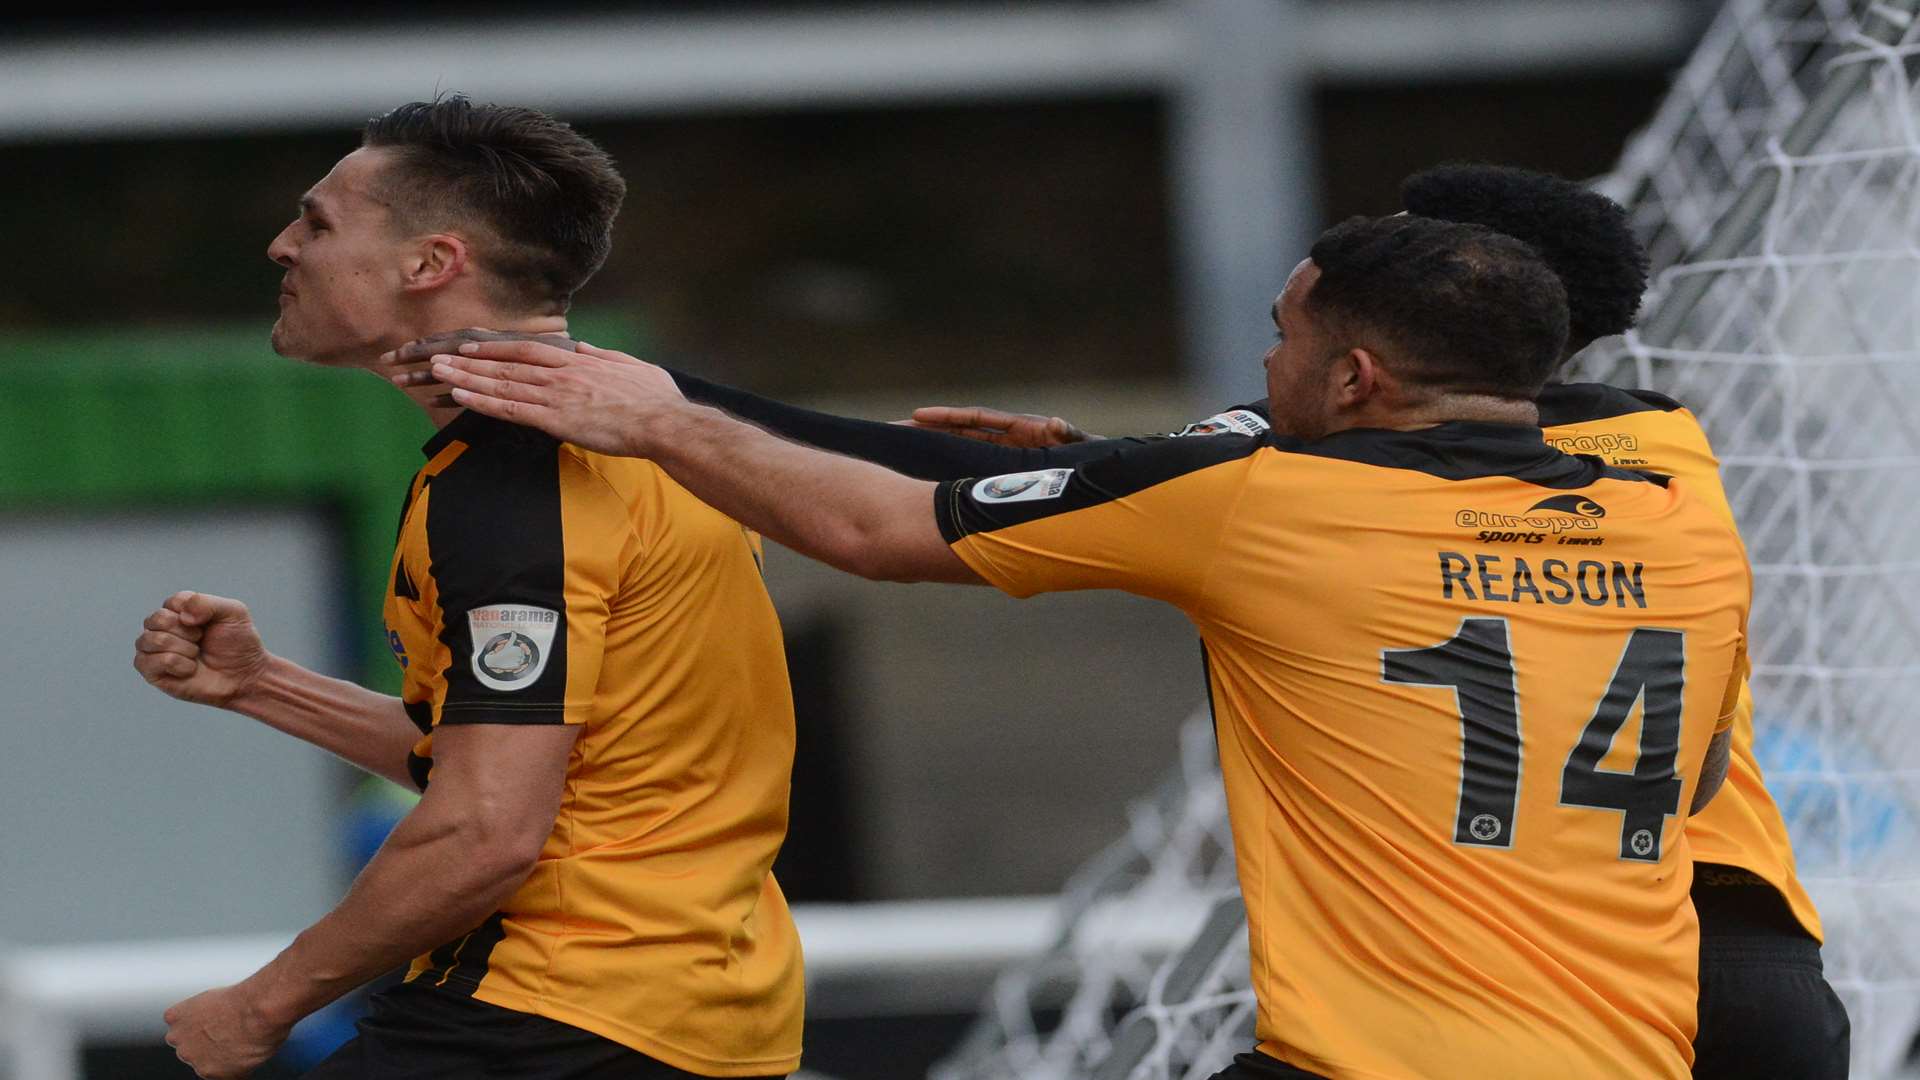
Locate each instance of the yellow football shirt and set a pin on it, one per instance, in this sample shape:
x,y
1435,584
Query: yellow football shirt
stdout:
x,y
1642,430
1463,685
537,583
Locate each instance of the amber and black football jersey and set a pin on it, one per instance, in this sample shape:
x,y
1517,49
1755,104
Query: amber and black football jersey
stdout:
x,y
537,583
1463,685
1640,429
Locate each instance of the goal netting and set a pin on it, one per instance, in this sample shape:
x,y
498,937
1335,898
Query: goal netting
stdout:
x,y
1792,328
1140,900
1778,190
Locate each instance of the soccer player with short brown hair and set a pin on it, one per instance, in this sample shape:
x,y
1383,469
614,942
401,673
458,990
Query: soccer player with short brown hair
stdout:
x,y
594,699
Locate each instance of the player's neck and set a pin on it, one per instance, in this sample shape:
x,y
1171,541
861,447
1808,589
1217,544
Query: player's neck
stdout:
x,y
447,321
1454,408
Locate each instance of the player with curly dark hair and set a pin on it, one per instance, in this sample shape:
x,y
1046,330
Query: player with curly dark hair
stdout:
x,y
1583,235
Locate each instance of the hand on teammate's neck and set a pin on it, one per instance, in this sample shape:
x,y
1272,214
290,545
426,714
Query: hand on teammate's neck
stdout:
x,y
432,399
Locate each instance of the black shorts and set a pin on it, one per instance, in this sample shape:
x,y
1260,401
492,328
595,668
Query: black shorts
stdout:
x,y
1765,1007
1255,1065
415,1032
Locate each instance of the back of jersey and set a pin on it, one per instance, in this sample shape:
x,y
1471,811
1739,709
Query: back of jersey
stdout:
x,y
1464,685
1642,430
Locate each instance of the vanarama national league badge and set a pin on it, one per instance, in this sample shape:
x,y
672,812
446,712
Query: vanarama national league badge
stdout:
x,y
511,644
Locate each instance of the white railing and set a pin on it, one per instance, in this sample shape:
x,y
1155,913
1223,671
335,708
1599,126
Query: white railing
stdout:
x,y
53,999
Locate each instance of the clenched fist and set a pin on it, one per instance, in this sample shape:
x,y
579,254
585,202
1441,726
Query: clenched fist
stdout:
x,y
200,648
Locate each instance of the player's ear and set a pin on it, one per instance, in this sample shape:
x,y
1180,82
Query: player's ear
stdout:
x,y
434,261
1353,378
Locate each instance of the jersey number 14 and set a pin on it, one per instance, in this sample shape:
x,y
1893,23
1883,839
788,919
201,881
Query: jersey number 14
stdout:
x,y
1478,665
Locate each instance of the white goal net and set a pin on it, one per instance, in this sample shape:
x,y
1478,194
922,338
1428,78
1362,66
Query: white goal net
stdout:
x,y
1778,190
1792,328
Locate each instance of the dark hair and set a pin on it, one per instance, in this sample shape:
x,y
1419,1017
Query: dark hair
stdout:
x,y
1583,235
1449,305
545,195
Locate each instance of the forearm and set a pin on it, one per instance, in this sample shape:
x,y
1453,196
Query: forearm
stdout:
x,y
437,877
915,452
1713,771
362,727
831,508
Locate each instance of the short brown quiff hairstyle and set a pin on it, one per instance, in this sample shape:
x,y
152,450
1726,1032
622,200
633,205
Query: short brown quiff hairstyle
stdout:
x,y
543,195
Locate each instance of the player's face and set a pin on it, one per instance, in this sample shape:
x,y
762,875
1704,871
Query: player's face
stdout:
x,y
342,290
1298,362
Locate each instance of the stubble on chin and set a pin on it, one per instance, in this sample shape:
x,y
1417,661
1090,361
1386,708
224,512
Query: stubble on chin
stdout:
x,y
288,344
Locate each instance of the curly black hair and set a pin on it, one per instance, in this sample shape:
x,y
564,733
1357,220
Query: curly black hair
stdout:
x,y
1460,306
1582,235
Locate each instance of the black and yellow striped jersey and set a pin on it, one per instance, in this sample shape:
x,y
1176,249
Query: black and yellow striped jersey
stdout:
x,y
1463,684
537,583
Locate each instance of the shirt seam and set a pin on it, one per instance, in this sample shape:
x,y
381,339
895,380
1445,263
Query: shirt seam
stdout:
x,y
1220,537
632,531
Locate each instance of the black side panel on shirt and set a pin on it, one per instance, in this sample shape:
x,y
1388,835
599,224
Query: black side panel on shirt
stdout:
x,y
494,536
420,713
964,507
1580,403
419,769
460,964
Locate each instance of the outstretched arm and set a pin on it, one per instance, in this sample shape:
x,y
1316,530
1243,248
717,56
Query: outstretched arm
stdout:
x,y
849,514
918,452
931,449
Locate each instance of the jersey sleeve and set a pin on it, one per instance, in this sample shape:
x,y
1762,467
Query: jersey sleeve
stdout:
x,y
916,452
1146,517
525,546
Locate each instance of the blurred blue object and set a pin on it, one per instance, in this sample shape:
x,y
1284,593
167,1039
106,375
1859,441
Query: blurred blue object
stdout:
x,y
374,808
1844,807
372,811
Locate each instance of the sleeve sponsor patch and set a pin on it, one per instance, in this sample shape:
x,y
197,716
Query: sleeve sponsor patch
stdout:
x,y
511,644
1022,487
1231,422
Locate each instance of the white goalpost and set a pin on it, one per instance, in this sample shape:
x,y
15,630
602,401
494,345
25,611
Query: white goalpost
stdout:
x,y
1778,191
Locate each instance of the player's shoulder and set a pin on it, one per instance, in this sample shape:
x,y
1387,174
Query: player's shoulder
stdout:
x,y
1461,451
1149,468
1128,466
494,500
1249,419
492,455
1564,404
502,464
